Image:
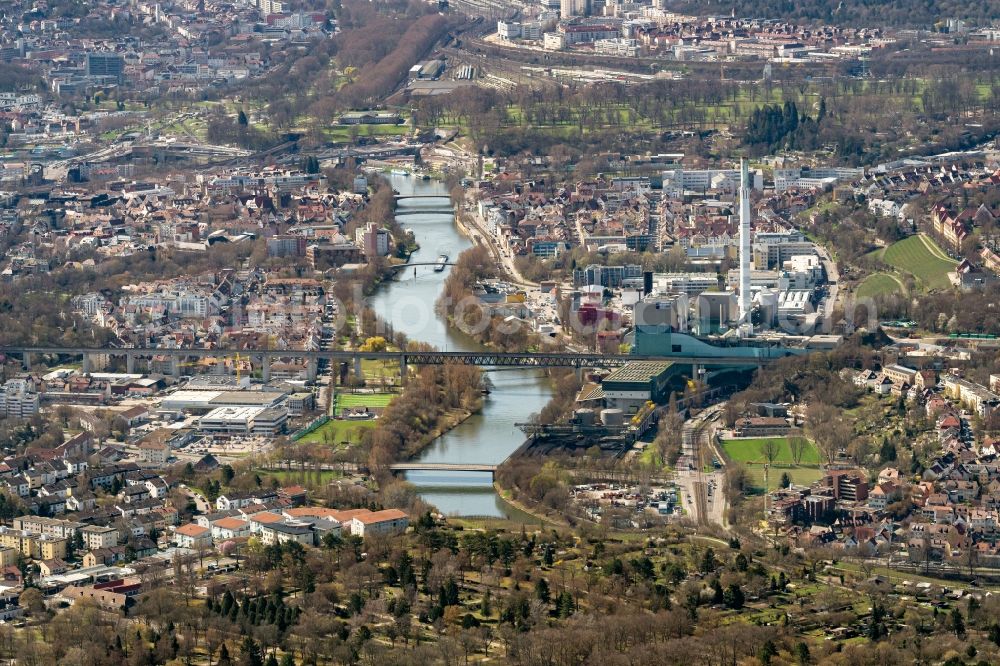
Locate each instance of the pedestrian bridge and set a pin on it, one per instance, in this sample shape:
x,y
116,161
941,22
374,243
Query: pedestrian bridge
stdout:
x,y
423,211
442,467
397,267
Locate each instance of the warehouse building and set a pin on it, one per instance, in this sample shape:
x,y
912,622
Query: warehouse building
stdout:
x,y
631,386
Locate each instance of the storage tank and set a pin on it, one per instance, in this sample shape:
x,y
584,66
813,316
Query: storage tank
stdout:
x,y
584,416
714,310
612,417
768,301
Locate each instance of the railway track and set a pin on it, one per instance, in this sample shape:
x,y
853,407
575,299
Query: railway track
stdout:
x,y
705,490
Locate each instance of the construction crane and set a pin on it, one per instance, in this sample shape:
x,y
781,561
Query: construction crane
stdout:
x,y
237,366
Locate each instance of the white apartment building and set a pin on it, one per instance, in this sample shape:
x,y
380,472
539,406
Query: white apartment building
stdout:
x,y
18,399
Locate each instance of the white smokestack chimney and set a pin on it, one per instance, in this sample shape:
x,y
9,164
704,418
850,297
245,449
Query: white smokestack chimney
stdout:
x,y
746,327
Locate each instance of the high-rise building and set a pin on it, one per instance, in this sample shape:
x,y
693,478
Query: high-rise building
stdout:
x,y
374,240
18,399
745,253
571,8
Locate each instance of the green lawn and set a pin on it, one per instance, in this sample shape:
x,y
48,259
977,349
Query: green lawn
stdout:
x,y
378,368
879,284
750,453
336,431
920,256
353,400
802,476
650,458
751,450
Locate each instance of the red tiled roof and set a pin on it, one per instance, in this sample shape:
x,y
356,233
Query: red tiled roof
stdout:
x,y
192,530
380,516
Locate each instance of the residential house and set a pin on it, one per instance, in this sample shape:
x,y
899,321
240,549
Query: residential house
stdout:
x,y
387,521
95,536
192,536
230,528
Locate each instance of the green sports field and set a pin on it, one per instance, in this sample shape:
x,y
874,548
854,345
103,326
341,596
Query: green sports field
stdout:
x,y
879,284
800,476
355,400
921,257
336,431
750,453
752,450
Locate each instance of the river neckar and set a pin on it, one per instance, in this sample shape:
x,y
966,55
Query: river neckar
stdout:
x,y
489,436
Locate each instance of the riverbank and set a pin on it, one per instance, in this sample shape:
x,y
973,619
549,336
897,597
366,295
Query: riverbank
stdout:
x,y
448,422
435,400
462,227
484,436
473,227
507,495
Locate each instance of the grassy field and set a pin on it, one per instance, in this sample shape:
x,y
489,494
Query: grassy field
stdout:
x,y
336,431
354,400
752,451
802,476
378,368
921,257
879,284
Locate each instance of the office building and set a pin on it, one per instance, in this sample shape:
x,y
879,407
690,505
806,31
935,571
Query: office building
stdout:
x,y
105,64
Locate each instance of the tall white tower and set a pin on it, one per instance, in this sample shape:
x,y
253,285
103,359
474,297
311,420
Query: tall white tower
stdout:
x,y
746,327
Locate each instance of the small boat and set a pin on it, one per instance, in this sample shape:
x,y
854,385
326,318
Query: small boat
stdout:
x,y
400,172
425,177
442,261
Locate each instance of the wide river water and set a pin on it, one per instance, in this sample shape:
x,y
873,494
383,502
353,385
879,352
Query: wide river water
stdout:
x,y
408,304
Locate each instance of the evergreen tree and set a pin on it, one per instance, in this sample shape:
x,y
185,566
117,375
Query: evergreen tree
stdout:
x,y
542,590
250,653
242,119
566,606
768,652
708,563
451,592
224,658
876,629
956,623
717,594
741,562
888,451
733,597
485,606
